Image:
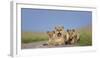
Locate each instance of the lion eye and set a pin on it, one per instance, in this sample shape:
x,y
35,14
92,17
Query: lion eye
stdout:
x,y
60,29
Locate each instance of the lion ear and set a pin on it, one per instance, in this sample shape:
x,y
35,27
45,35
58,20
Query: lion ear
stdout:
x,y
63,27
55,27
47,32
73,30
53,31
67,30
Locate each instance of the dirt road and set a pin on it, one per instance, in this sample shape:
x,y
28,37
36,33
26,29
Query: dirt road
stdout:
x,y
40,45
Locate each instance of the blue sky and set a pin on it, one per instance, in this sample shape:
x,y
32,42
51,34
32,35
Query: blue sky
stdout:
x,y
41,20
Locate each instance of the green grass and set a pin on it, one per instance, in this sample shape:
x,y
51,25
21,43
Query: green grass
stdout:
x,y
28,37
85,38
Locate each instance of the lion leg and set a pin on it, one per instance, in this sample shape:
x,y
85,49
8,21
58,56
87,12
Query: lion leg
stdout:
x,y
72,41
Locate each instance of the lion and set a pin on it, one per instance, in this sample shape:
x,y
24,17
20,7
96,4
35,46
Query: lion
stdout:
x,y
59,35
66,37
73,36
51,36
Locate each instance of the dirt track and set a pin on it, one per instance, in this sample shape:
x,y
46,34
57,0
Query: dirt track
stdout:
x,y
40,45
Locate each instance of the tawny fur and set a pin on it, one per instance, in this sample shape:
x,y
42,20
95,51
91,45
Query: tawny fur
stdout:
x,y
73,36
60,37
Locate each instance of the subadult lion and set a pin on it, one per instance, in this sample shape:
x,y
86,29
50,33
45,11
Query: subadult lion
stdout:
x,y
59,35
51,36
73,36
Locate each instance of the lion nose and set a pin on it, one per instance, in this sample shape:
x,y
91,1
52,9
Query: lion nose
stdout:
x,y
59,34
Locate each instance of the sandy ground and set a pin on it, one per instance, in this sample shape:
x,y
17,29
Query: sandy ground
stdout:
x,y
40,45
